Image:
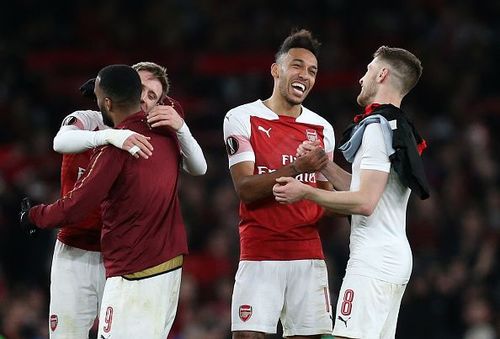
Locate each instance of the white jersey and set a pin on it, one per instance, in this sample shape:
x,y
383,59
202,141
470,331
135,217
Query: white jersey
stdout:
x,y
378,246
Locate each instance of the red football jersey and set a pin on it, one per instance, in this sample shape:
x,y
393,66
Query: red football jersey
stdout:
x,y
84,234
142,222
269,230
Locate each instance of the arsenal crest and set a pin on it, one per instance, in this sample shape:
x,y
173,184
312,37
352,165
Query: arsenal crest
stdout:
x,y
245,312
53,322
311,134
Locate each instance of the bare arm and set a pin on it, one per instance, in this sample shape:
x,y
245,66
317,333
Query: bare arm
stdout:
x,y
340,178
363,201
252,187
336,175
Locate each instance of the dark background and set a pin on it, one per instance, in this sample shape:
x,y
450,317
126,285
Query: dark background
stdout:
x,y
218,54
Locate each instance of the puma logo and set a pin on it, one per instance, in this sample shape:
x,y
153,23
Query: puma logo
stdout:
x,y
343,320
267,131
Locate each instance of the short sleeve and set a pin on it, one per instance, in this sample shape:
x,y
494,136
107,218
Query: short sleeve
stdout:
x,y
373,150
237,137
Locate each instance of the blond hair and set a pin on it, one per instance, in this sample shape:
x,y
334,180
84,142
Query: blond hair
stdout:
x,y
159,72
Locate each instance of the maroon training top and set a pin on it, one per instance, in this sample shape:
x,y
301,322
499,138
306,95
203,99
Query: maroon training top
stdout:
x,y
142,223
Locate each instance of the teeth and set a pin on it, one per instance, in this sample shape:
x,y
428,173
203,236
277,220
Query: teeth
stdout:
x,y
300,86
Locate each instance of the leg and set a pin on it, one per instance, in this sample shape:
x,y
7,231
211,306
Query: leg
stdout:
x,y
248,335
258,297
389,329
362,308
307,310
74,296
143,308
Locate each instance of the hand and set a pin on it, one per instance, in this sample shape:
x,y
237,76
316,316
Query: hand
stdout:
x,y
307,146
313,161
138,145
289,190
162,115
24,219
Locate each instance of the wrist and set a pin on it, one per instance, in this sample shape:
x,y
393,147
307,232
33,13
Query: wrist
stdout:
x,y
183,129
294,169
307,192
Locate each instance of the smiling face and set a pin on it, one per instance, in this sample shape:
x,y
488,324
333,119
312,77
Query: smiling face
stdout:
x,y
152,90
295,74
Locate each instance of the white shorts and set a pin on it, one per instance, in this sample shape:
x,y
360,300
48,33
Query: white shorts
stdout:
x,y
76,285
142,308
294,291
367,308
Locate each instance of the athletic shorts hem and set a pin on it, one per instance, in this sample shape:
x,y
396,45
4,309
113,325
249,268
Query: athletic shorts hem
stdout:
x,y
347,334
267,330
306,332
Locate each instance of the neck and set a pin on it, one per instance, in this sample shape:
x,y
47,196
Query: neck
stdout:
x,y
280,106
121,115
387,98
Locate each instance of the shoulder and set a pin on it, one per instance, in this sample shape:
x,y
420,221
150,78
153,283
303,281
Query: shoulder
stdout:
x,y
87,118
175,104
87,114
373,132
311,117
252,109
242,110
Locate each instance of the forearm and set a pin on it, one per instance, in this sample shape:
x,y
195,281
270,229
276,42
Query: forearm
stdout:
x,y
76,140
87,194
259,186
62,212
344,202
337,176
193,160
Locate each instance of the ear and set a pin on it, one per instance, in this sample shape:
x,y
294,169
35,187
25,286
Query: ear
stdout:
x,y
275,70
382,74
108,104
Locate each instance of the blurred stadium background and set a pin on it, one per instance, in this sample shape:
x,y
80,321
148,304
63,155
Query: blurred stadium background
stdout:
x,y
218,54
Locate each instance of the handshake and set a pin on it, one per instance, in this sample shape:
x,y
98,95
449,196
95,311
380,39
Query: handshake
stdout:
x,y
24,219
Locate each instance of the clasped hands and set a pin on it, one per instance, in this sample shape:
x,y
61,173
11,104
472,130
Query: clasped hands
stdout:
x,y
311,157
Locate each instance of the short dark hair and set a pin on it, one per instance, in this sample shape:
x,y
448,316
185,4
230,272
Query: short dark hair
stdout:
x,y
407,66
159,72
299,39
121,83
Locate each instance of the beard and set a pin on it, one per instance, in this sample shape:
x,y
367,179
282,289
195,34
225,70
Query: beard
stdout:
x,y
289,98
106,119
366,95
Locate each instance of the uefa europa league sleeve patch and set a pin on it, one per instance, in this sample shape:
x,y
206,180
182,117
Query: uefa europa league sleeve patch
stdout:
x,y
232,145
70,120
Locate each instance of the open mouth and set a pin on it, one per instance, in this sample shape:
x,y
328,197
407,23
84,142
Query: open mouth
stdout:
x,y
299,88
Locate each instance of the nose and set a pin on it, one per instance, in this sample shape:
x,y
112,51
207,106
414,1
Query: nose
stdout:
x,y
361,81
